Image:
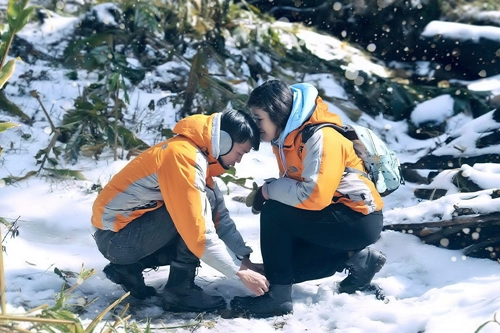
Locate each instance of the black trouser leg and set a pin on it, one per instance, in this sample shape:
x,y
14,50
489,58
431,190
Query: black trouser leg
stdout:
x,y
329,233
276,246
311,262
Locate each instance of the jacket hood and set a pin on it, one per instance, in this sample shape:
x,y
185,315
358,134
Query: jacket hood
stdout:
x,y
204,131
304,103
307,108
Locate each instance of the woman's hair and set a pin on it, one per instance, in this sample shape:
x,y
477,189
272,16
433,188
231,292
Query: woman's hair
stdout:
x,y
241,127
274,97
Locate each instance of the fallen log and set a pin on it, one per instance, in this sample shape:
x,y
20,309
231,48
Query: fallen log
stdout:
x,y
476,235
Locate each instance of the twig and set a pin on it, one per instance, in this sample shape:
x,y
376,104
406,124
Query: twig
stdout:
x,y
10,228
494,320
51,145
40,307
97,319
118,321
35,94
55,130
37,320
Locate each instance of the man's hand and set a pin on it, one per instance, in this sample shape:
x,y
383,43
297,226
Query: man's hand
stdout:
x,y
255,282
255,199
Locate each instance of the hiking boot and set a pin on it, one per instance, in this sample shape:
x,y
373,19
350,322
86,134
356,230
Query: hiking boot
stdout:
x,y
182,295
276,302
130,278
362,267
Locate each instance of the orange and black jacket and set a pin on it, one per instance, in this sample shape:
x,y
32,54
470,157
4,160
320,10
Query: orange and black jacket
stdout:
x,y
312,174
173,175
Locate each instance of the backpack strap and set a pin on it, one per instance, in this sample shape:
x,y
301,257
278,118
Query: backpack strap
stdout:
x,y
310,129
359,172
346,131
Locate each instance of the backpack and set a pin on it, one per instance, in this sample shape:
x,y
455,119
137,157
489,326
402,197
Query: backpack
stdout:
x,y
381,163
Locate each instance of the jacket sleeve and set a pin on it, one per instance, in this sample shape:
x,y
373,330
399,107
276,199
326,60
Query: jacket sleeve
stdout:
x,y
322,171
182,182
225,226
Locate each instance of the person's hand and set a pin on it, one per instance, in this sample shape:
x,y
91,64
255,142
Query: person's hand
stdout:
x,y
255,199
255,282
250,198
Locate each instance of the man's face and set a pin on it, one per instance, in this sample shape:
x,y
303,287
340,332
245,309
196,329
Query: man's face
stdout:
x,y
236,153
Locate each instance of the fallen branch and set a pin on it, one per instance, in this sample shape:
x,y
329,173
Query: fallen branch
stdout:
x,y
461,222
477,235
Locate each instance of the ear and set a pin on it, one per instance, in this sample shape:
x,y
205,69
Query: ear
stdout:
x,y
225,143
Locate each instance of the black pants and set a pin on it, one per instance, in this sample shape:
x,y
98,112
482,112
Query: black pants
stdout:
x,y
299,245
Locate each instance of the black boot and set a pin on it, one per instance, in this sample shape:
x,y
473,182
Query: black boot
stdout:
x,y
362,267
276,302
130,278
182,295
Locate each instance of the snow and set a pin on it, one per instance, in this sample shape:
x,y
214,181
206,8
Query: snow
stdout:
x,y
466,136
429,289
434,110
461,31
491,83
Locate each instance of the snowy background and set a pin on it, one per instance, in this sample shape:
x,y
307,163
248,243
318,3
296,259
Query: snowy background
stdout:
x,y
430,289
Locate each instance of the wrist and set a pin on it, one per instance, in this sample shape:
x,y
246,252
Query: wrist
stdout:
x,y
243,266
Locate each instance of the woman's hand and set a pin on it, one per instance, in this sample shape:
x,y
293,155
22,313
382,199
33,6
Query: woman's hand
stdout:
x,y
255,199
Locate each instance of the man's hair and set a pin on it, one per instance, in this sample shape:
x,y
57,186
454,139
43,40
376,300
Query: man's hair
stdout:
x,y
274,97
241,127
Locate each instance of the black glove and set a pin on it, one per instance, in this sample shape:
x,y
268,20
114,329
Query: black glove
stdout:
x,y
258,201
255,199
251,197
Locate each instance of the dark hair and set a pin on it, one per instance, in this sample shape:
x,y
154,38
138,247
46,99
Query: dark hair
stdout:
x,y
274,97
241,127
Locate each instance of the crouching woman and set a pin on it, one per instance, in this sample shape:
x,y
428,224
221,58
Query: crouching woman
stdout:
x,y
316,219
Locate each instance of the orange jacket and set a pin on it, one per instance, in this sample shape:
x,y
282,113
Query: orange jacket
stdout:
x,y
175,174
312,174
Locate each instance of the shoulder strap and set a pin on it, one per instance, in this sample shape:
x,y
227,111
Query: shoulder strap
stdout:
x,y
347,131
310,129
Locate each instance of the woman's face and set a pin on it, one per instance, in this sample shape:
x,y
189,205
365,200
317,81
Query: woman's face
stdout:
x,y
268,130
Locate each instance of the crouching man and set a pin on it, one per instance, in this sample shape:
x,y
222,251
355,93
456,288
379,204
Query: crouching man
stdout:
x,y
164,208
